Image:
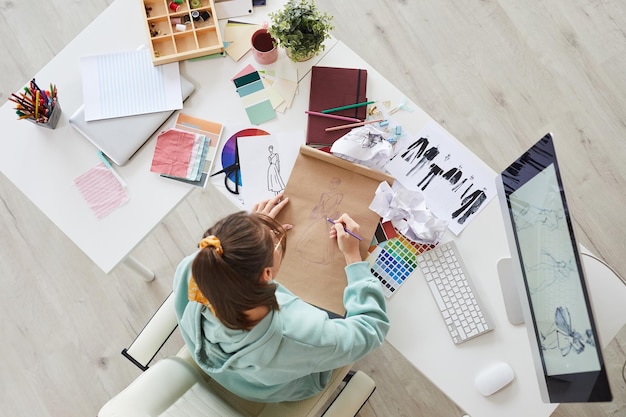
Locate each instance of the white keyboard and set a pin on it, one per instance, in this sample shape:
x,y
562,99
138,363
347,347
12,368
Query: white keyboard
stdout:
x,y
454,293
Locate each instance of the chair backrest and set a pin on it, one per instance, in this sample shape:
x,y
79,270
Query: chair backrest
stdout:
x,y
153,336
172,387
176,386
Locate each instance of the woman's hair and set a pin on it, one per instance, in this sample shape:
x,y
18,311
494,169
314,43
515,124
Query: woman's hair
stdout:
x,y
231,281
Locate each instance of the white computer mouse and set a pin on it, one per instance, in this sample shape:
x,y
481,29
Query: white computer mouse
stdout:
x,y
494,378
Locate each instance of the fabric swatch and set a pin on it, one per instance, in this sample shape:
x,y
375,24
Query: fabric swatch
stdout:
x,y
102,191
172,153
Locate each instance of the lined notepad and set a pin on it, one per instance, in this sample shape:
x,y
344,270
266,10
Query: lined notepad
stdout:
x,y
128,83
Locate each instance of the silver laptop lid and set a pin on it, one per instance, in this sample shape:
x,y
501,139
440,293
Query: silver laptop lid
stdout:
x,y
120,138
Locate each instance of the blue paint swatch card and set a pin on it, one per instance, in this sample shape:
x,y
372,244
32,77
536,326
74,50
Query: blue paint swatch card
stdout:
x,y
254,97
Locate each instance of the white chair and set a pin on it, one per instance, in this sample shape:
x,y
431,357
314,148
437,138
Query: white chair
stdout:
x,y
176,387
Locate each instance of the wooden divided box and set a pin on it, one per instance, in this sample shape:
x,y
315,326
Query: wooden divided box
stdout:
x,y
182,29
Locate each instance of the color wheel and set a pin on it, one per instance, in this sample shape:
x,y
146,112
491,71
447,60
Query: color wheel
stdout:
x,y
229,151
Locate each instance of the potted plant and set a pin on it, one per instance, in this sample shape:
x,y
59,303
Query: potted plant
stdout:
x,y
301,28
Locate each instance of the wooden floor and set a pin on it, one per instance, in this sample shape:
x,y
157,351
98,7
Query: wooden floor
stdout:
x,y
497,74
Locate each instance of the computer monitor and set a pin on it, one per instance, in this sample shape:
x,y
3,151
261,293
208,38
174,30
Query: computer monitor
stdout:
x,y
551,288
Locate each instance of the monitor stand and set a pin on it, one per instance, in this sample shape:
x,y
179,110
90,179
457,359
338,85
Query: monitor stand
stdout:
x,y
512,302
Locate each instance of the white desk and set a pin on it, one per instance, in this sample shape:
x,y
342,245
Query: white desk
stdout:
x,y
43,163
417,330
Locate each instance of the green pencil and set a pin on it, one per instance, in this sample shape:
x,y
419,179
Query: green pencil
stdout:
x,y
349,106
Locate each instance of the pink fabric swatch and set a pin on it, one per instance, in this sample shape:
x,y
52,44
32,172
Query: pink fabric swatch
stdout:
x,y
172,153
102,191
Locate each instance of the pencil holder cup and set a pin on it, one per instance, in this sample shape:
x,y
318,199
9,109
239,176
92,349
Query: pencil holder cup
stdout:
x,y
53,118
264,47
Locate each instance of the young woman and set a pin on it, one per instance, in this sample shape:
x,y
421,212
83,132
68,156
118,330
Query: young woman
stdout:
x,y
252,335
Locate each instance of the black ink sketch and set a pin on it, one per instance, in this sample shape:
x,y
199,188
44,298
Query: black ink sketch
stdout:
x,y
467,189
432,173
428,156
453,175
316,234
559,270
563,336
470,205
275,182
415,150
459,185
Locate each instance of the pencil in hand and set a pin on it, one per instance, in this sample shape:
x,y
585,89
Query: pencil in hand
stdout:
x,y
348,231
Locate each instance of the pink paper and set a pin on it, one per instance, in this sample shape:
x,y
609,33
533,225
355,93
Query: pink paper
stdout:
x,y
102,191
248,69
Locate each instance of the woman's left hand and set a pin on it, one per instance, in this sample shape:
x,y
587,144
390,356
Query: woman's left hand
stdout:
x,y
272,207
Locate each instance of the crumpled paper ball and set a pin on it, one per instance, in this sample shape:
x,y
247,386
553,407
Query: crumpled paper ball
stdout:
x,y
365,145
408,213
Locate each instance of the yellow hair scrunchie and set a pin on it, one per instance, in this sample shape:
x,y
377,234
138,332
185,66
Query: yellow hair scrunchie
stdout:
x,y
212,241
194,294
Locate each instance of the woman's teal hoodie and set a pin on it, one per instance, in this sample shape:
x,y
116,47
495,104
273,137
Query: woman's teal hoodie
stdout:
x,y
291,353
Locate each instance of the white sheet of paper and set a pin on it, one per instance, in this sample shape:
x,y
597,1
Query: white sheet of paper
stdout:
x,y
128,83
456,184
266,163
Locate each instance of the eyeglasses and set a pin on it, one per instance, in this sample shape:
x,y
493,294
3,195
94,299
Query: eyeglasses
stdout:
x,y
280,242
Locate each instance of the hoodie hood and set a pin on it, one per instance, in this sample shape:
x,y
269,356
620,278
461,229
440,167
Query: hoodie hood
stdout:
x,y
219,348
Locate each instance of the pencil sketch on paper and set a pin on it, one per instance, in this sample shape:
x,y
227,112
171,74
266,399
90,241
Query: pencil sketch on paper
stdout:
x,y
275,183
314,246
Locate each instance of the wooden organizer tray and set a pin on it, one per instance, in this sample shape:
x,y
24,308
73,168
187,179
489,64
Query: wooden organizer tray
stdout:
x,y
201,36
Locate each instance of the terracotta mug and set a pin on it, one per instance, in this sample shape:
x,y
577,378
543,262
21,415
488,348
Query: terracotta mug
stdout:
x,y
264,47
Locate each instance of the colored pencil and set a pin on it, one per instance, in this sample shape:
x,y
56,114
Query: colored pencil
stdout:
x,y
333,116
349,106
348,126
35,103
348,231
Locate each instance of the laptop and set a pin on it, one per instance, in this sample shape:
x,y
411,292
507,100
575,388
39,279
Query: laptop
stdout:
x,y
120,138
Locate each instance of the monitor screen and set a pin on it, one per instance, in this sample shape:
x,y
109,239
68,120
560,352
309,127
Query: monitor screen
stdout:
x,y
554,290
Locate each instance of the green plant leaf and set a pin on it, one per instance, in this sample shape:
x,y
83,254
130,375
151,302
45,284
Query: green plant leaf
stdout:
x,y
301,28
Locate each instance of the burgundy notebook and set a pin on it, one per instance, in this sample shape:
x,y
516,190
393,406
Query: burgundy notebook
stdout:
x,y
334,87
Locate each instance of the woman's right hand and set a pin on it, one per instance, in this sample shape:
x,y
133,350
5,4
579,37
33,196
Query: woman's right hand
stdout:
x,y
348,245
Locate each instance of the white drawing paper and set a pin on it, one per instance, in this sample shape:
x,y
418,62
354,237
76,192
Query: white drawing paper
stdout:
x,y
456,184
